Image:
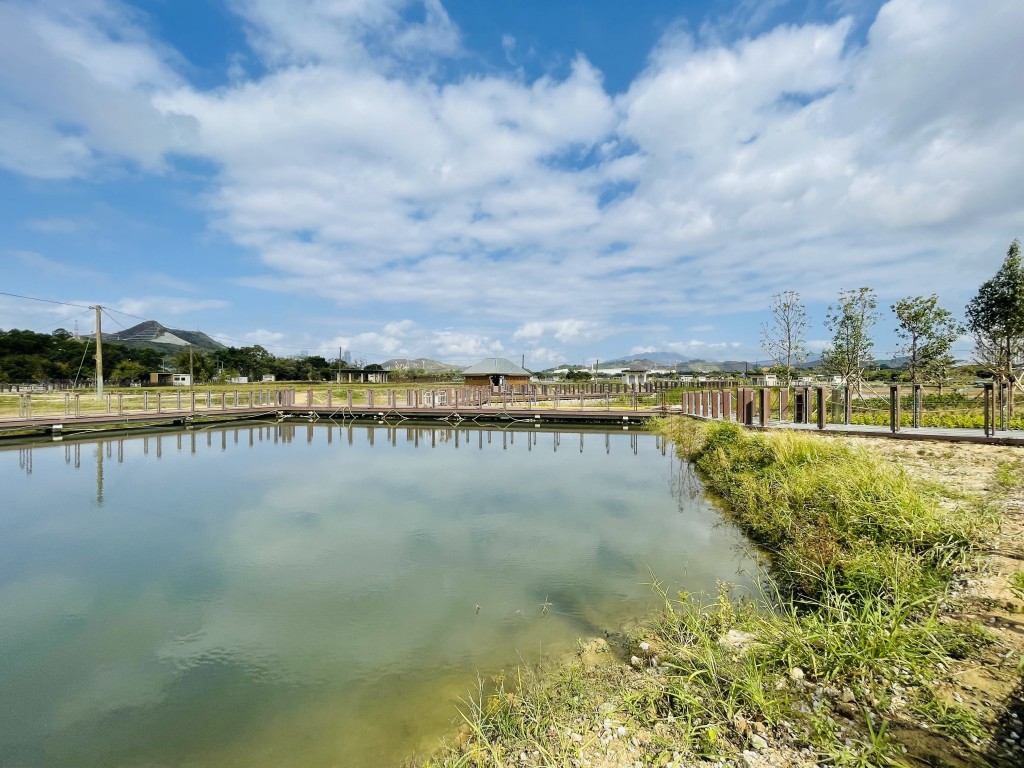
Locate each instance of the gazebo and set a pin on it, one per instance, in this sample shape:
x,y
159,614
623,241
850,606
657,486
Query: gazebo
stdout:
x,y
635,376
495,372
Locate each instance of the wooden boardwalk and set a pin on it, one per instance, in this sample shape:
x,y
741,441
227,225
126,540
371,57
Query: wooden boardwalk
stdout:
x,y
597,412
65,425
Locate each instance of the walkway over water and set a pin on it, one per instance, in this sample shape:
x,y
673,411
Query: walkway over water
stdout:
x,y
762,408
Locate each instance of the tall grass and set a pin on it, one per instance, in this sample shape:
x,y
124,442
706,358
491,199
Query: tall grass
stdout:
x,y
848,637
831,515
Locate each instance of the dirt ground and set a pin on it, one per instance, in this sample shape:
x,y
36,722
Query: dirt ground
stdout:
x,y
991,686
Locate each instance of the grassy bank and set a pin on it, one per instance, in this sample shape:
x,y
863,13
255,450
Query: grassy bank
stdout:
x,y
835,665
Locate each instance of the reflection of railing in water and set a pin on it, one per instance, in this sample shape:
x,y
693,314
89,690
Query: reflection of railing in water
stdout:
x,y
286,432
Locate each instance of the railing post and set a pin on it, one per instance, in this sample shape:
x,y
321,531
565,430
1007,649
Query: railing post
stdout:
x,y
895,409
820,403
765,405
988,398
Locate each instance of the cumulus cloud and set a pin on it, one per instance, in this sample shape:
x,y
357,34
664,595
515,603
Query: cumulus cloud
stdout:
x,y
76,88
562,330
802,156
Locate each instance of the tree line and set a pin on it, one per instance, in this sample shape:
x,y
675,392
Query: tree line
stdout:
x,y
58,357
927,331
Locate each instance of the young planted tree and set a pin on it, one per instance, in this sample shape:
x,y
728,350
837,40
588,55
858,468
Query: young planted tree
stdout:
x,y
996,318
783,337
928,332
850,321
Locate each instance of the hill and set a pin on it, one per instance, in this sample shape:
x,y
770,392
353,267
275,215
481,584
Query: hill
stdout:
x,y
150,334
418,364
652,360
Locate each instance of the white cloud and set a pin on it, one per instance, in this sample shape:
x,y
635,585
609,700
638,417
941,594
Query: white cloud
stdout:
x,y
56,225
465,346
347,32
76,82
800,158
151,306
53,268
563,330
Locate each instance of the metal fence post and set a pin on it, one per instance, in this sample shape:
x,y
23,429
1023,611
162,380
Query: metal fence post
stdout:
x,y
988,397
894,408
820,398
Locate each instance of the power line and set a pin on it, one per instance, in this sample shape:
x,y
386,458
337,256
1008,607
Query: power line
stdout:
x,y
48,301
114,318
126,314
64,319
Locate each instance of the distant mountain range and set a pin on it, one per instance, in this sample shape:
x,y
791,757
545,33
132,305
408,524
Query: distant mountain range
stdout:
x,y
651,360
418,364
153,335
150,334
668,360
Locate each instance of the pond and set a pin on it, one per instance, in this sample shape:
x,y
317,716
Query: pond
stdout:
x,y
314,594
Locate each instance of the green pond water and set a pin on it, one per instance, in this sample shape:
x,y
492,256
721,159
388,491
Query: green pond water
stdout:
x,y
317,595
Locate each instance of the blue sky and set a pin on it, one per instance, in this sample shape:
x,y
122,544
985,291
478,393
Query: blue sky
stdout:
x,y
565,181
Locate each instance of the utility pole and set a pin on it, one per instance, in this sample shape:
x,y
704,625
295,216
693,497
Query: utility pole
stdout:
x,y
99,352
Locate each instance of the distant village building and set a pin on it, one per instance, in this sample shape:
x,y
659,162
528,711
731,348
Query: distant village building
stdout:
x,y
268,377
361,375
495,372
635,376
163,379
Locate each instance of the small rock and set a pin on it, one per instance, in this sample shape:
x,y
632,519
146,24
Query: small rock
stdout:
x,y
736,640
758,742
847,696
796,674
636,661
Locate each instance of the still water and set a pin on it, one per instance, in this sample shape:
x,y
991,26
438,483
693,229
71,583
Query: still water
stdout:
x,y
317,595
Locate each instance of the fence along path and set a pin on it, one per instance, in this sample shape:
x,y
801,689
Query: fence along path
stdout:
x,y
835,410
803,407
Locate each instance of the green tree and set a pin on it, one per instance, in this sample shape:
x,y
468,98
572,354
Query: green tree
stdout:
x,y
850,321
577,374
928,332
199,364
127,371
996,318
783,337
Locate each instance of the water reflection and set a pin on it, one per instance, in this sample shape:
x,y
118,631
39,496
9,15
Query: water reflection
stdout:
x,y
304,590
286,432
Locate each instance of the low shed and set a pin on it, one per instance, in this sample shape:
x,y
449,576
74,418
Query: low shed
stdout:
x,y
495,372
